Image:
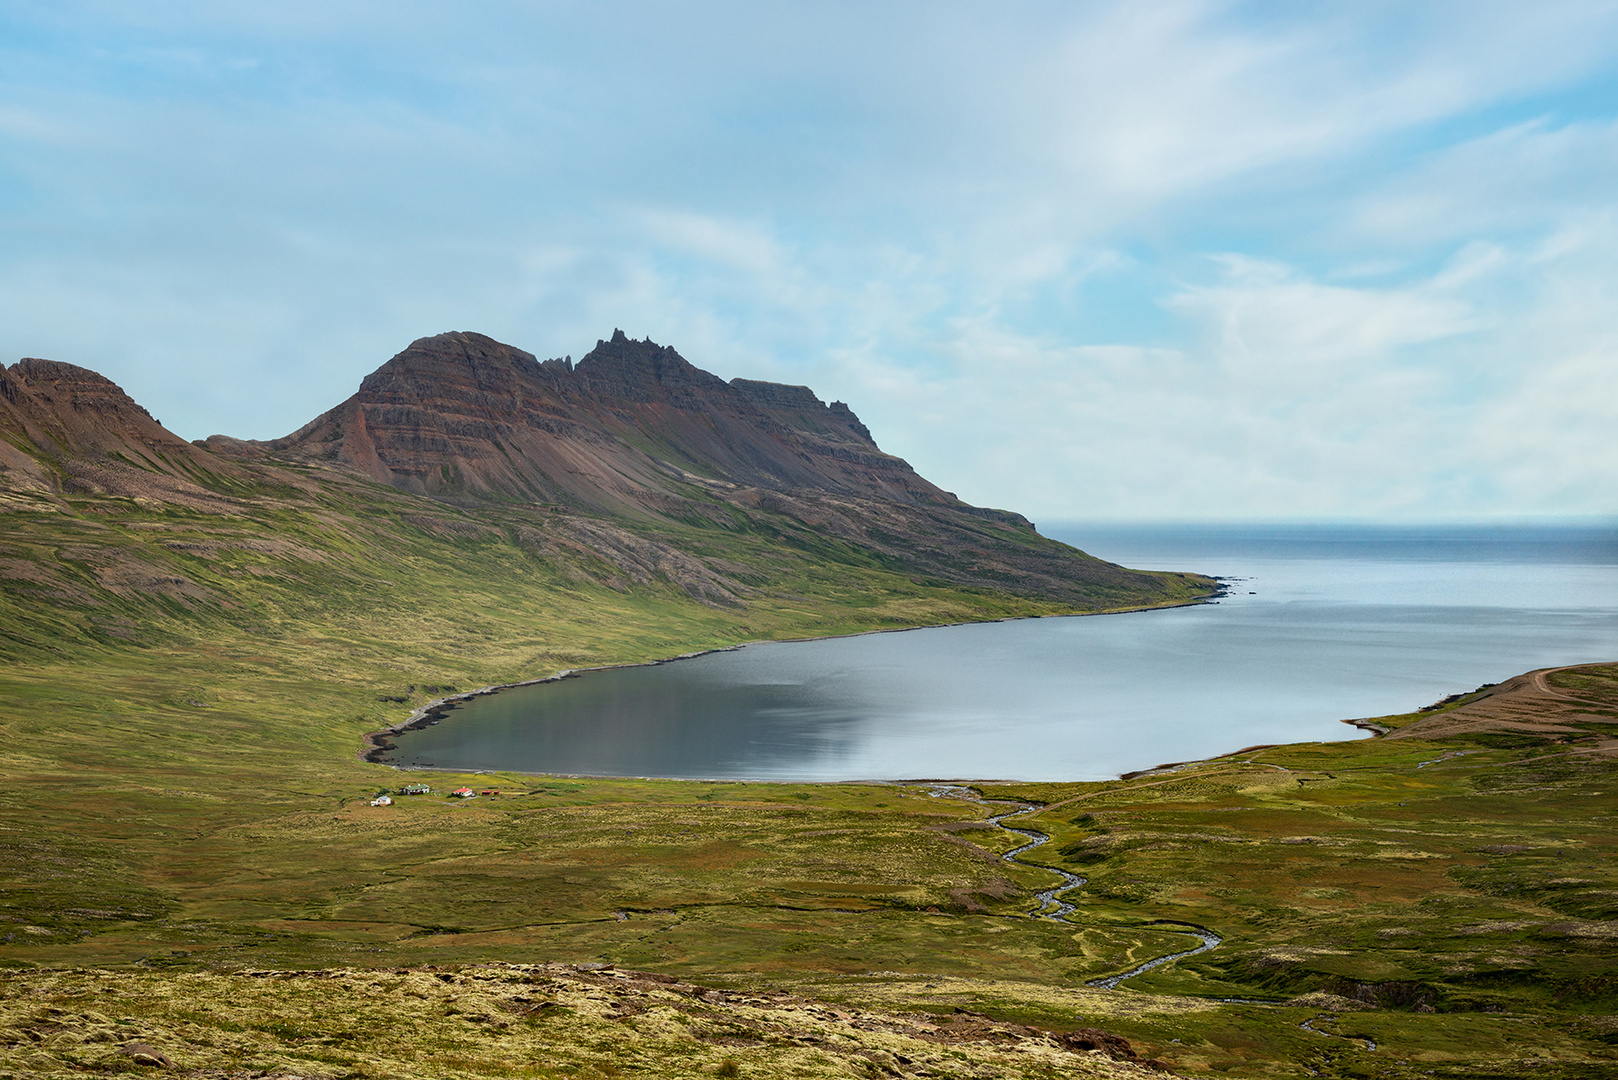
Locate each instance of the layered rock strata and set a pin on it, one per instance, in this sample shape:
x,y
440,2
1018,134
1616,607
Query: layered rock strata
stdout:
x,y
464,418
67,428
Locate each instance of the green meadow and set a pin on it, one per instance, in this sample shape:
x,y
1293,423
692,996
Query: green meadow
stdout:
x,y
191,858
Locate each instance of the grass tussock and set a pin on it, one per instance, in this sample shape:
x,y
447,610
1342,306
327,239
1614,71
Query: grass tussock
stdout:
x,y
520,1021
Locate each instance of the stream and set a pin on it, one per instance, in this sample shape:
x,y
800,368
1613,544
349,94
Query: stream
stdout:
x,y
1207,939
1309,1025
1046,898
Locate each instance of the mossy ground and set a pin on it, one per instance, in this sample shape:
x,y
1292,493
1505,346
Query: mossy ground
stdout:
x,y
184,699
519,1021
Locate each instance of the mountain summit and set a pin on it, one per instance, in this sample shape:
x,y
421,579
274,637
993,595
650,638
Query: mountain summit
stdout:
x,y
466,419
67,427
635,433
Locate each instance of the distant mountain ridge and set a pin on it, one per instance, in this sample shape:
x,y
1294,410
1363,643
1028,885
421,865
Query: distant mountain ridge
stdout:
x,y
464,418
632,468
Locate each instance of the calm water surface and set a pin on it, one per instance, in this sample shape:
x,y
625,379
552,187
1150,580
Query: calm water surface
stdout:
x,y
1320,624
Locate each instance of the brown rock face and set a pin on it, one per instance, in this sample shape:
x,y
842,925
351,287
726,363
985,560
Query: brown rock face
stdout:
x,y
636,432
67,426
464,418
631,455
142,1054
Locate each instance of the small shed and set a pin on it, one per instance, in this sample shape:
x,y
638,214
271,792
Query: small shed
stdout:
x,y
382,800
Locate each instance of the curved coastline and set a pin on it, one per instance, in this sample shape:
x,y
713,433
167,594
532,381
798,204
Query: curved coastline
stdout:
x,y
376,743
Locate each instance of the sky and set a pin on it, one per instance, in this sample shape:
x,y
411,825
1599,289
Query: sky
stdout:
x,y
1176,260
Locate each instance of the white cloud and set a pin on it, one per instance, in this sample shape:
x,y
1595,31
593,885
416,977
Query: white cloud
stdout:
x,y
1297,399
745,246
1111,258
1270,329
1529,176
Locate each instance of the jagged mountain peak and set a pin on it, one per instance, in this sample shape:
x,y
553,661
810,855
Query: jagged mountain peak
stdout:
x,y
464,417
643,371
627,451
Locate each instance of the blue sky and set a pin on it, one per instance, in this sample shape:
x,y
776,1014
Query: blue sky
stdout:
x,y
1176,260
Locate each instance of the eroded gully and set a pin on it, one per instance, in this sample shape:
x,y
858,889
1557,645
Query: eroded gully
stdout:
x,y
1050,904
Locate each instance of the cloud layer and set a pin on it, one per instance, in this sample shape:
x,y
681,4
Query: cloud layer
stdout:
x,y
1183,259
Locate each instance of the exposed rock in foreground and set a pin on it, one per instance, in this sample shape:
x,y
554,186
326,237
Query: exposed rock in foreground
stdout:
x,y
454,1022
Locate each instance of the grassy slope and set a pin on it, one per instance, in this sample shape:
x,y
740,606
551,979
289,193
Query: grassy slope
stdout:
x,y
182,793
185,693
1459,897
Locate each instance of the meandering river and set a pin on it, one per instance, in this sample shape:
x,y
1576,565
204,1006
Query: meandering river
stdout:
x,y
1320,624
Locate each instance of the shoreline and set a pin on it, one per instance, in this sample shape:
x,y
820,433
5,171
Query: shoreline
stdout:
x,y
375,743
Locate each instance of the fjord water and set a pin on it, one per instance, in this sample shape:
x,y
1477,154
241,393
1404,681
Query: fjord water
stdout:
x,y
1320,624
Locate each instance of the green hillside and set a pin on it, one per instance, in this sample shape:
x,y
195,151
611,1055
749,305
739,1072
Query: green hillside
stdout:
x,y
195,646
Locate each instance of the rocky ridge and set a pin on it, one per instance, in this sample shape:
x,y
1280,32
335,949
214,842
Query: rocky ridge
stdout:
x,y
67,429
603,468
464,418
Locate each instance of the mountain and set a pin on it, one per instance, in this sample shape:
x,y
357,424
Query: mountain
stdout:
x,y
68,429
466,419
635,432
632,468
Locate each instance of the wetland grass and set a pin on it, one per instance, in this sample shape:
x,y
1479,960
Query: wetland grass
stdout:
x,y
185,824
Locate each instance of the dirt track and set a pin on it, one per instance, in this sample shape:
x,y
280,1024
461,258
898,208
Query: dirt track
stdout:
x,y
1526,704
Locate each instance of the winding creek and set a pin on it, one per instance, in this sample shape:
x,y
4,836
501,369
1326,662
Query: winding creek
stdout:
x,y
1309,1025
1207,939
1046,899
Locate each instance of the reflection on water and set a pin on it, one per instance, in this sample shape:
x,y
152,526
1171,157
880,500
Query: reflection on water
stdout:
x,y
1319,626
679,719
